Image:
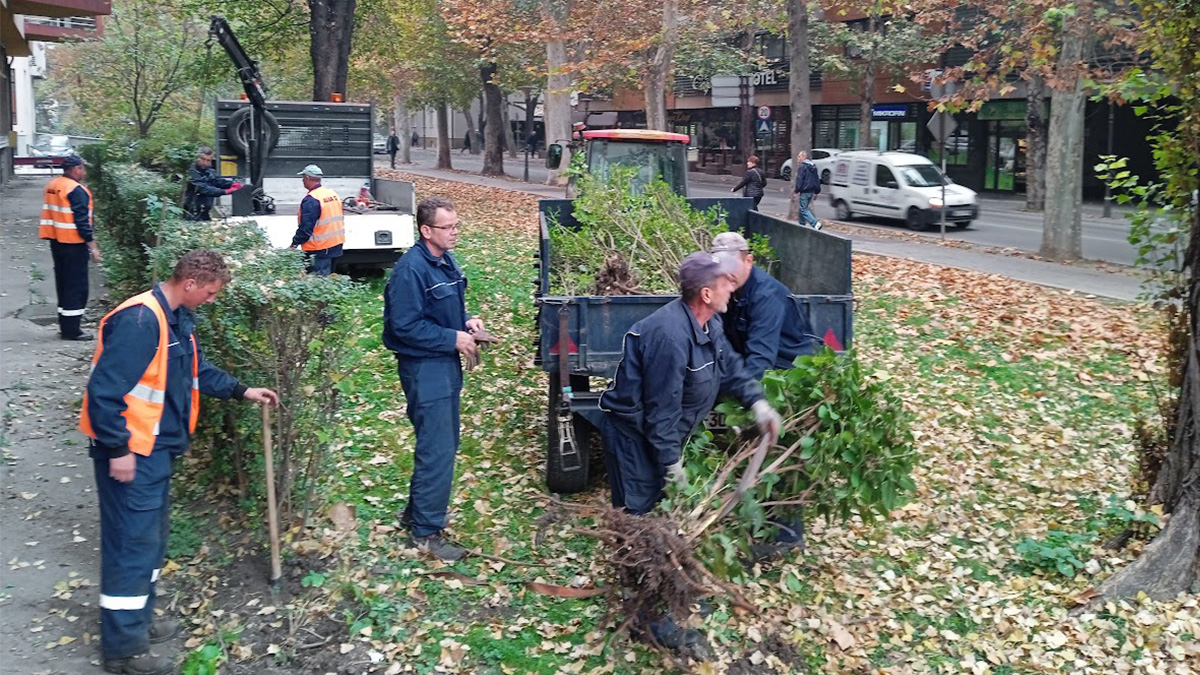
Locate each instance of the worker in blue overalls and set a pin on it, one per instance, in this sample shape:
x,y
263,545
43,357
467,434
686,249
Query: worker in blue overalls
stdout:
x,y
674,363
765,325
425,322
67,222
139,409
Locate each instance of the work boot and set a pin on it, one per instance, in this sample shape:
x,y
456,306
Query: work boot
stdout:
x,y
683,641
164,630
146,663
439,547
82,337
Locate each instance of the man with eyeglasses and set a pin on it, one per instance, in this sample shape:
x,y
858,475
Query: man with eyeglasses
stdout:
x,y
427,325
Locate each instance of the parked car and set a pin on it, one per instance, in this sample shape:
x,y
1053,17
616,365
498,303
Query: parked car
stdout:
x,y
822,157
379,146
898,185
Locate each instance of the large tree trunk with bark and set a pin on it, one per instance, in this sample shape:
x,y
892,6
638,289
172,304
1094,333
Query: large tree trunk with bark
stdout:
x,y
556,112
746,133
799,94
866,104
1036,132
493,157
330,27
1062,227
403,127
444,140
658,71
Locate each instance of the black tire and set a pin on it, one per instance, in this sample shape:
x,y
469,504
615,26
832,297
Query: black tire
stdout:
x,y
786,173
560,479
962,224
825,177
843,210
914,220
237,131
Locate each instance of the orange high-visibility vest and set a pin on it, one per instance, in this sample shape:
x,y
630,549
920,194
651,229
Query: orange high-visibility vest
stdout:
x,y
144,403
58,220
331,229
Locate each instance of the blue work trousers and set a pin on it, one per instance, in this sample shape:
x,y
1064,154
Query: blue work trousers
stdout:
x,y
70,284
134,526
319,265
806,213
634,474
432,387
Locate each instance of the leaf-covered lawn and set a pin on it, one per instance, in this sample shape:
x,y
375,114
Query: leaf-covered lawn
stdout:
x,y
1025,401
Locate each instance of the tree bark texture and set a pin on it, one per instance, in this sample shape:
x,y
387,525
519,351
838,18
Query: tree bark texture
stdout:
x,y
1062,228
330,27
799,93
444,140
866,104
403,127
493,134
559,82
510,141
658,72
1036,130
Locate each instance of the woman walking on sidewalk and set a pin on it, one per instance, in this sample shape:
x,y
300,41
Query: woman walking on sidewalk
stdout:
x,y
754,182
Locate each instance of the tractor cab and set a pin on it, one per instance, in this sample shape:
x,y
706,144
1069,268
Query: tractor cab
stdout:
x,y
655,154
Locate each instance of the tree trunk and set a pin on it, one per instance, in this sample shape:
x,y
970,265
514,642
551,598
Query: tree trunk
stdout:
x,y
1062,228
330,28
1036,130
866,104
659,69
746,135
444,140
403,126
493,158
557,109
480,135
799,94
510,137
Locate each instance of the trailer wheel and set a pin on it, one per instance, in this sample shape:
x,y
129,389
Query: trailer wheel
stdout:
x,y
568,447
237,131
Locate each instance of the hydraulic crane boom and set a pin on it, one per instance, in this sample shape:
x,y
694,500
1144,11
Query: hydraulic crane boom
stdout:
x,y
256,93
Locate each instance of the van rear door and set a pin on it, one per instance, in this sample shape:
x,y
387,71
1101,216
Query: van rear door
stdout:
x,y
860,184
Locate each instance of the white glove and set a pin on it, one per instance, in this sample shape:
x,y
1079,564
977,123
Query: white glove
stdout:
x,y
676,474
769,421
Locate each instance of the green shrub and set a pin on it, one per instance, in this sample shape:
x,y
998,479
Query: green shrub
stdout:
x,y
1060,552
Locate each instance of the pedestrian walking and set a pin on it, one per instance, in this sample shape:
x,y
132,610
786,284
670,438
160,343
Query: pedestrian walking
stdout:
x,y
673,364
416,139
139,410
393,145
754,182
321,230
808,186
66,221
204,186
466,146
427,326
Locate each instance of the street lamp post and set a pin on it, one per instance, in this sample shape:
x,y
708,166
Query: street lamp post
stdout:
x,y
525,90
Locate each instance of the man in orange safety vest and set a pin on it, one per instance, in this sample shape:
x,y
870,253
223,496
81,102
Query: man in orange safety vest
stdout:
x,y
67,222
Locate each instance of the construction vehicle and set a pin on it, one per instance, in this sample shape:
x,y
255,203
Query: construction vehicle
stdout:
x,y
580,337
272,141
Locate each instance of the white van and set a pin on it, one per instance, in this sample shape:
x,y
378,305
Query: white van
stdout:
x,y
897,185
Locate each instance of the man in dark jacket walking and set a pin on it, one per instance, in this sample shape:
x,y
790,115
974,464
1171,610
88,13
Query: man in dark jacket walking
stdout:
x,y
754,182
204,185
808,186
393,146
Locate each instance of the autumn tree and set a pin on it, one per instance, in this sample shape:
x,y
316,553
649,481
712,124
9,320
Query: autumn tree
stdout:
x,y
1170,34
1065,50
331,29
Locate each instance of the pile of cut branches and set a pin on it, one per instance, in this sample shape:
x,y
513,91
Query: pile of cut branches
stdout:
x,y
845,449
629,241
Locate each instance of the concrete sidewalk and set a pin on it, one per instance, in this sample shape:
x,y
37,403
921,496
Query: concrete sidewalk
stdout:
x,y
1118,283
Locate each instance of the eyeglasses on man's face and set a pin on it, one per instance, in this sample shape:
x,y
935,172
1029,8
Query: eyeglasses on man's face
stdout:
x,y
453,228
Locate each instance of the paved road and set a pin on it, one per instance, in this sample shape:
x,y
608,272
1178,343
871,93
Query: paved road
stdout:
x,y
1002,223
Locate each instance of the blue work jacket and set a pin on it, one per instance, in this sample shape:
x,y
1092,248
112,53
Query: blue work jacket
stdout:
x,y
764,324
130,343
424,306
203,186
670,374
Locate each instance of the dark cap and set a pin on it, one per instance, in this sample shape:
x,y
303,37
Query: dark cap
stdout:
x,y
74,160
699,270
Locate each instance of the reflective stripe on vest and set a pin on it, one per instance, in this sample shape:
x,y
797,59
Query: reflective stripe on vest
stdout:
x,y
145,402
330,229
58,218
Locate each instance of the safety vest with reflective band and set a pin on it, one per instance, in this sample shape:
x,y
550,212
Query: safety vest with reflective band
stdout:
x,y
331,229
144,403
58,219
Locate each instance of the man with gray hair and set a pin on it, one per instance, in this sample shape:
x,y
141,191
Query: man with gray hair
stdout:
x,y
763,323
204,186
673,365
